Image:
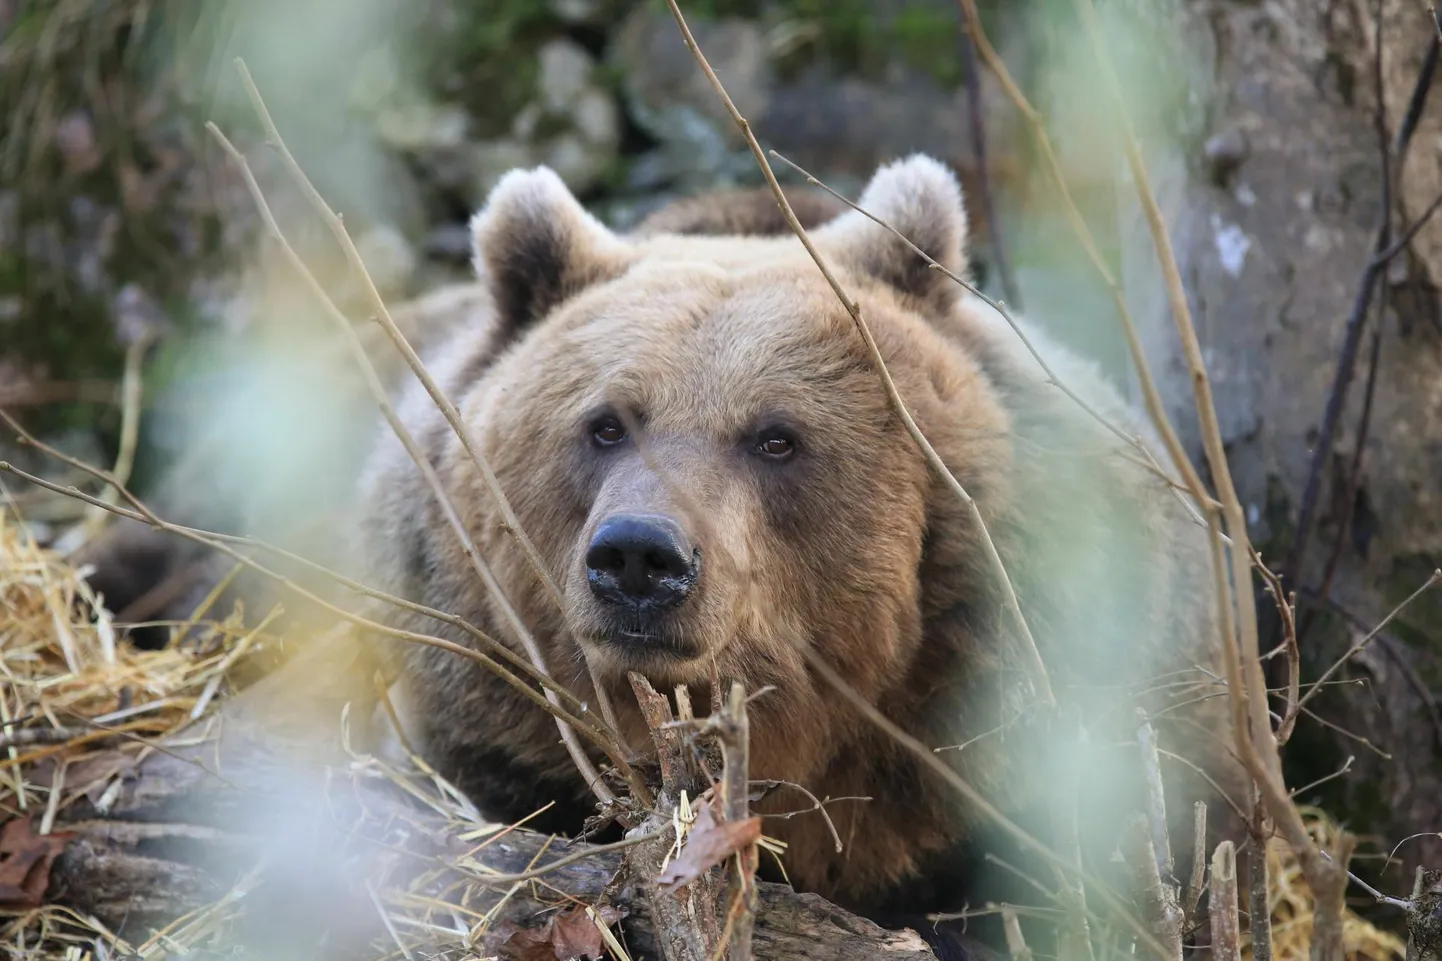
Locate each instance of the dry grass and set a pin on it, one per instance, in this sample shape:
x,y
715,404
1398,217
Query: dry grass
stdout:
x,y
77,706
1291,906
63,673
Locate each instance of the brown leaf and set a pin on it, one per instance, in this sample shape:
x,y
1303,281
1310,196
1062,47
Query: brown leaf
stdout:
x,y
568,935
708,843
575,935
25,860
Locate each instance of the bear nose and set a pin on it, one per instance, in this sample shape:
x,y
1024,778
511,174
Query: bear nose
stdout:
x,y
640,561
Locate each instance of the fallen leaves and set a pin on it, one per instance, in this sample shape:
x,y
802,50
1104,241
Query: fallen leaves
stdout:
x,y
25,860
708,843
569,934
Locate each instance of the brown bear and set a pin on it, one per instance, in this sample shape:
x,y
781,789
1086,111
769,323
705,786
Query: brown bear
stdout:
x,y
689,427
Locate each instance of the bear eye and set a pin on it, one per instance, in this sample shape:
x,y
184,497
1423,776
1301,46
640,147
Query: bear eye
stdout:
x,y
775,444
607,430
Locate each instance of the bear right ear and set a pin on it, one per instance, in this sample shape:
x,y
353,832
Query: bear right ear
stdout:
x,y
922,200
535,246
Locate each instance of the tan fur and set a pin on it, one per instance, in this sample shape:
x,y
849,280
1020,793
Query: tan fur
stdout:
x,y
854,547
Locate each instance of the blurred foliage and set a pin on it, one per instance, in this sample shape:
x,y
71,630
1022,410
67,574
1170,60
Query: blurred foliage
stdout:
x,y
101,183
485,56
850,36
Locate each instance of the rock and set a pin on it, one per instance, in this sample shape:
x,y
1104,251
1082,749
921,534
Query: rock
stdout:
x,y
576,11
75,136
566,70
489,162
573,126
579,163
845,123
597,118
136,314
420,126
669,97
388,257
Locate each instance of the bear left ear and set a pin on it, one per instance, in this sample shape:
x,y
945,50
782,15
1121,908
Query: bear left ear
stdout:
x,y
919,197
535,246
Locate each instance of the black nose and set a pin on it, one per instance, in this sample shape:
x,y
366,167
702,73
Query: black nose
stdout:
x,y
643,562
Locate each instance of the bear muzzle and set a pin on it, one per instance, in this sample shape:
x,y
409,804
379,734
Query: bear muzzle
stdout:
x,y
640,566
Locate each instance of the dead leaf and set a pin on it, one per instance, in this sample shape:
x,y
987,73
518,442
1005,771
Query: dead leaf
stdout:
x,y
25,860
567,936
708,843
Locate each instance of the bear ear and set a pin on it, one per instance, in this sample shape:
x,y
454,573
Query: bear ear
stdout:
x,y
922,200
535,246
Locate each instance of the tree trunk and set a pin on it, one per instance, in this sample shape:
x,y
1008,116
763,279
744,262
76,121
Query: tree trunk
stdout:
x,y
1273,208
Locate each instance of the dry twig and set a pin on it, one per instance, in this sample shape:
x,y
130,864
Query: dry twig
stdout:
x,y
433,481
1222,905
1039,680
510,522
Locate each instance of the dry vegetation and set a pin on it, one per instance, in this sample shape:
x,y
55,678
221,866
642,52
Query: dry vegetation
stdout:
x,y
83,714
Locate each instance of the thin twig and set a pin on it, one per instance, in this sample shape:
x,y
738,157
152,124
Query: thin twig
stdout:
x,y
1411,232
1156,795
1015,942
1354,472
1259,903
1340,772
510,523
144,514
735,734
984,807
1005,311
1361,645
1290,645
130,396
422,462
219,545
1152,397
1256,745
1192,894
1039,679
1158,896
540,872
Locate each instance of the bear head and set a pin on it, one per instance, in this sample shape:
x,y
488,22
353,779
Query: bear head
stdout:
x,y
694,433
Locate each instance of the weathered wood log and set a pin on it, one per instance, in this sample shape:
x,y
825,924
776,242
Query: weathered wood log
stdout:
x,y
319,841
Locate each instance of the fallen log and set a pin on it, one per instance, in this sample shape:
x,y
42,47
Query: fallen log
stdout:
x,y
280,843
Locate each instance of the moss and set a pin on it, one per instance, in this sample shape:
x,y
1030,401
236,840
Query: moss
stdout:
x,y
858,37
488,60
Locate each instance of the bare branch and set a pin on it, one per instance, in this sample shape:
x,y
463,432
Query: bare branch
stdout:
x,y
1155,409
1361,645
1039,679
510,523
422,462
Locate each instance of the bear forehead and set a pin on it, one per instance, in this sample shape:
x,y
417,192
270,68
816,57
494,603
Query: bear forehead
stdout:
x,y
704,345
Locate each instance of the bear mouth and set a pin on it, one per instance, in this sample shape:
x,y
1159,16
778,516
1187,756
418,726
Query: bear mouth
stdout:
x,y
637,643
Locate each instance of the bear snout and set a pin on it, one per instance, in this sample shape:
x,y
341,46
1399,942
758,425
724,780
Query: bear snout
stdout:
x,y
641,564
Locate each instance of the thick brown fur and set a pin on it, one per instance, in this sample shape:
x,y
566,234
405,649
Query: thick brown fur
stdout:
x,y
852,546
